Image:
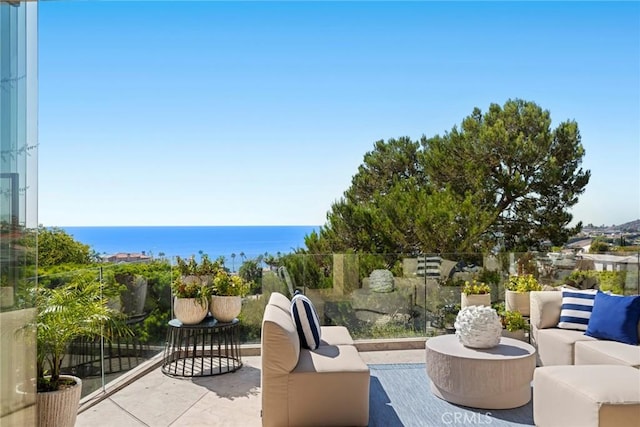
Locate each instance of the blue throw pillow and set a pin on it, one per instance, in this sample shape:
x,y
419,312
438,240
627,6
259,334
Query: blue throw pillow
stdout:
x,y
576,309
307,322
615,318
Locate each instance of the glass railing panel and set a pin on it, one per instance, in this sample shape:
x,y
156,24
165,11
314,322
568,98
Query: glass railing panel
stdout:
x,y
142,293
425,291
376,296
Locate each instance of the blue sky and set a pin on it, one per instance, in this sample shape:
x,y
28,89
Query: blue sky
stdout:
x,y
242,113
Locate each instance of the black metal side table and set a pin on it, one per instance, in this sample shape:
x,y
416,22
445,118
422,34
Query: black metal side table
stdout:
x,y
206,349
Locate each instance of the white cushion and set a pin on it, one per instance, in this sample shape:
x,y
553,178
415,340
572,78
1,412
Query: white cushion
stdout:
x,y
576,309
307,322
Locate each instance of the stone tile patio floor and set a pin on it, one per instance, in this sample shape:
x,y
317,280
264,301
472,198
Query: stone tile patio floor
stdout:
x,y
154,399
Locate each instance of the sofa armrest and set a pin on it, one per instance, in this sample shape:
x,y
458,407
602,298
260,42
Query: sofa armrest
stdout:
x,y
281,301
545,309
280,342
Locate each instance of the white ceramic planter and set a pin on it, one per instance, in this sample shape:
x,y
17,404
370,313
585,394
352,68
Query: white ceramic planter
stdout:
x,y
517,301
474,299
59,408
189,310
225,308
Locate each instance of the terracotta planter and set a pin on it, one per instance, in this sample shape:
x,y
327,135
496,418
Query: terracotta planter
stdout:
x,y
59,408
189,310
474,299
517,301
224,308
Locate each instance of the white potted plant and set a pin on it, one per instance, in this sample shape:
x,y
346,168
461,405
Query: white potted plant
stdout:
x,y
514,325
226,299
191,299
517,292
475,293
64,314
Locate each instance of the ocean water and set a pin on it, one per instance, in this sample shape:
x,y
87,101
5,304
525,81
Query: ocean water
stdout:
x,y
185,241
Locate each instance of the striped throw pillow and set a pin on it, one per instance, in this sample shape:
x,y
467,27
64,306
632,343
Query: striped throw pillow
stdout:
x,y
307,322
576,309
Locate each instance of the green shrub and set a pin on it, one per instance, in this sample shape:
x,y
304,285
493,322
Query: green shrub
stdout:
x,y
613,281
474,288
491,277
513,321
251,317
447,314
525,283
226,284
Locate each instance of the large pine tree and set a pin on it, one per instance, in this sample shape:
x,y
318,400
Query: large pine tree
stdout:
x,y
503,176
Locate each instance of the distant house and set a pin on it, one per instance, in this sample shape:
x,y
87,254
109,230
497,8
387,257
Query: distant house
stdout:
x,y
126,257
604,262
580,246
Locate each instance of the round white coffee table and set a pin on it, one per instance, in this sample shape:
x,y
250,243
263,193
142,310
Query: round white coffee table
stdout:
x,y
493,378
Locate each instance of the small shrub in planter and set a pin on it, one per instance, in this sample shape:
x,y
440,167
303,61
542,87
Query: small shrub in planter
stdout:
x,y
475,293
513,321
524,283
475,288
517,292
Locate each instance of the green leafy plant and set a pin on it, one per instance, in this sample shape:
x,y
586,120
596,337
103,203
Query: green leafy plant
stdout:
x,y
489,276
499,307
225,284
448,314
452,282
64,314
251,272
475,288
523,283
613,281
191,287
205,267
513,321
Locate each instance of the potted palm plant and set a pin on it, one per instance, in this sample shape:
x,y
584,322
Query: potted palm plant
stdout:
x,y
191,302
475,293
517,291
64,314
228,290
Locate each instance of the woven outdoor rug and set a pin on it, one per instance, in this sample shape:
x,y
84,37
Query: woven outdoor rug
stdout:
x,y
400,395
